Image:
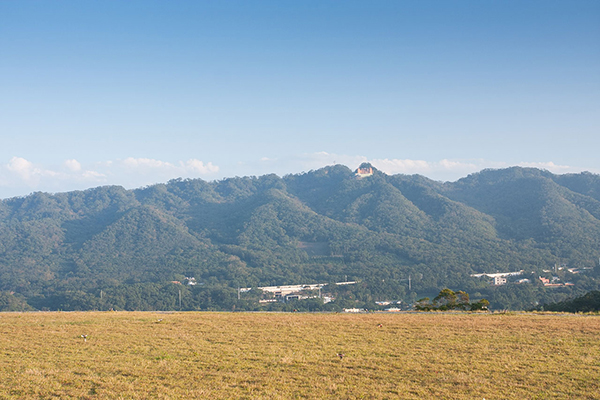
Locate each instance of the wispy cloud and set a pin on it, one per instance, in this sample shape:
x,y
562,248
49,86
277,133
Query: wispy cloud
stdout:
x,y
550,166
444,170
152,166
448,169
199,167
20,176
27,172
73,165
23,169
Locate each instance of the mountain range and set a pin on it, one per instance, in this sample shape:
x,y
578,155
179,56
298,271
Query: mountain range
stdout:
x,y
109,247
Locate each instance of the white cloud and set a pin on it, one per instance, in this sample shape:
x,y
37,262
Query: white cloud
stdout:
x,y
73,165
20,176
22,168
320,159
135,172
199,167
455,169
20,172
93,176
550,166
26,172
145,163
149,165
444,170
396,166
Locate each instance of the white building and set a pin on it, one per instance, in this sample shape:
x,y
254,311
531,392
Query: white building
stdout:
x,y
499,280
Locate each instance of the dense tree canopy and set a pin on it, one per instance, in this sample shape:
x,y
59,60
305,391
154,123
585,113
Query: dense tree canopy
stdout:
x,y
590,302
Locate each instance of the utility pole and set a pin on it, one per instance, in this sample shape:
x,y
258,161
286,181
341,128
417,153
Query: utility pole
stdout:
x,y
101,295
409,286
238,292
180,299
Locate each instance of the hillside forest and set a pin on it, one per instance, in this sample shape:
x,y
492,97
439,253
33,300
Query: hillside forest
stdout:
x,y
190,244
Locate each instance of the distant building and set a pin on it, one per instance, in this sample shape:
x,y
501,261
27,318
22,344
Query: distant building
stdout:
x,y
502,274
295,292
499,280
555,282
364,170
388,302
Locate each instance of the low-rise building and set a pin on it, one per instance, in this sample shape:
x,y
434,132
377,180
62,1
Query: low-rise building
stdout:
x,y
499,280
364,170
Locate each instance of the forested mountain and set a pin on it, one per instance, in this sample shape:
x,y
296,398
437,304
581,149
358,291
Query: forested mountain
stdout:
x,y
114,248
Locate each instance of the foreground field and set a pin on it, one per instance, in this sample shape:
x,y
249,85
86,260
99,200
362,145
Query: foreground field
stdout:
x,y
133,355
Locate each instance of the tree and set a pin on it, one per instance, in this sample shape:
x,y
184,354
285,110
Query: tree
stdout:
x,y
449,300
446,299
481,305
462,300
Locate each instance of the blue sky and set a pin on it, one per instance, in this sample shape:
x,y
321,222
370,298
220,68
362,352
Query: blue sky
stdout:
x,y
138,92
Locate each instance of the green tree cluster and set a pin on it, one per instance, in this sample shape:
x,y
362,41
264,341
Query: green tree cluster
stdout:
x,y
449,300
590,302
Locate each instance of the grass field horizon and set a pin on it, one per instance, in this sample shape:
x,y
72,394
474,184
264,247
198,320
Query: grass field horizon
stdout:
x,y
182,355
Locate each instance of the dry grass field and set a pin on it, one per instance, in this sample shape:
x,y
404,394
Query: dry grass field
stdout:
x,y
142,355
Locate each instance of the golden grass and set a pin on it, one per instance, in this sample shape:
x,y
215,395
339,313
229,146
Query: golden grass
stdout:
x,y
131,355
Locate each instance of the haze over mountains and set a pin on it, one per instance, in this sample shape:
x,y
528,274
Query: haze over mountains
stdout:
x,y
109,247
